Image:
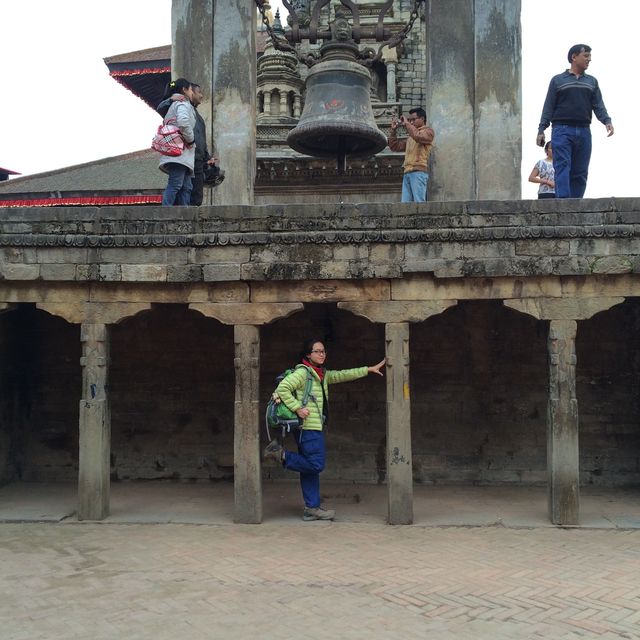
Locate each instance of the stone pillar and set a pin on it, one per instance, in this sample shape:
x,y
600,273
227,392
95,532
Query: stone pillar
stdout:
x,y
397,314
399,464
474,86
95,424
284,103
498,99
246,444
267,103
297,108
192,57
214,45
562,431
449,98
391,81
246,317
563,451
234,98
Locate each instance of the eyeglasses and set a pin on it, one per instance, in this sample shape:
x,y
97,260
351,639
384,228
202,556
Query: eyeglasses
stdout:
x,y
322,352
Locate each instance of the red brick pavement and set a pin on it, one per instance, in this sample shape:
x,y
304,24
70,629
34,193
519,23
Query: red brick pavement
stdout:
x,y
316,580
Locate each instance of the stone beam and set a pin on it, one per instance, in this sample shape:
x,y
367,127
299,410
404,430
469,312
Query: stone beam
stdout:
x,y
95,424
94,312
399,462
320,291
563,452
396,310
428,287
562,308
247,480
249,313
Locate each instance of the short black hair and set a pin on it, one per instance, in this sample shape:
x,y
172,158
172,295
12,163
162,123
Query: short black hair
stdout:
x,y
420,112
546,146
307,347
576,49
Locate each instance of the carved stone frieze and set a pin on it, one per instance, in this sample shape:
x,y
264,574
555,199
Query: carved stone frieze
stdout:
x,y
116,236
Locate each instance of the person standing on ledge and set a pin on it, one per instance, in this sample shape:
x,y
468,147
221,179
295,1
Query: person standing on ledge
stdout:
x,y
543,175
309,461
571,98
201,156
417,148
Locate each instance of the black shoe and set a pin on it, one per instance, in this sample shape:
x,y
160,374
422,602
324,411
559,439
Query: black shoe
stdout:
x,y
273,451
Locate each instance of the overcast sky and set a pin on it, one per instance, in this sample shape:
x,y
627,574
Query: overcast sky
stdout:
x,y
65,109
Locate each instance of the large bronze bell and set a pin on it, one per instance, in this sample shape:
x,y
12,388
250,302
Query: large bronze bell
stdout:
x,y
337,119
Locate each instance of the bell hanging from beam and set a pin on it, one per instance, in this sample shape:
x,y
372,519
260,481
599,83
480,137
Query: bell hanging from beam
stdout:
x,y
337,119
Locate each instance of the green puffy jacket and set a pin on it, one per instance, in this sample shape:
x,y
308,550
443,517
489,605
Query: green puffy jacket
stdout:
x,y
297,380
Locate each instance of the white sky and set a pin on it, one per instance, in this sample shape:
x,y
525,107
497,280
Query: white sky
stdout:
x,y
67,110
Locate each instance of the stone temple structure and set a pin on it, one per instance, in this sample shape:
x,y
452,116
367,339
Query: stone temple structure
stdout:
x,y
142,342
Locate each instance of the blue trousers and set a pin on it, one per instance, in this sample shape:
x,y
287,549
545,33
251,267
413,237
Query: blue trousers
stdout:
x,y
308,462
414,186
571,156
178,190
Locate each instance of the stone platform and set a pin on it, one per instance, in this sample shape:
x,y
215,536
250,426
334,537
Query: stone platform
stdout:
x,y
561,263
212,504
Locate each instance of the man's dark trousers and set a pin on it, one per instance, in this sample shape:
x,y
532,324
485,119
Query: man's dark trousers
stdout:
x,y
198,188
571,154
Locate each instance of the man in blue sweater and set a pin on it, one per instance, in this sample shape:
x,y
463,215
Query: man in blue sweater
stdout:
x,y
571,98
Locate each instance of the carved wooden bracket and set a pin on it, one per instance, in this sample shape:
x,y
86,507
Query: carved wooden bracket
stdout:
x,y
562,308
94,312
397,310
251,313
7,306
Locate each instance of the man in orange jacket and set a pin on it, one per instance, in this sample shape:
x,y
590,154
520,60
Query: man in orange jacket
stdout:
x,y
417,148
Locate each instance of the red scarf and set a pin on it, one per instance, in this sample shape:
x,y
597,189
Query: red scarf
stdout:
x,y
318,370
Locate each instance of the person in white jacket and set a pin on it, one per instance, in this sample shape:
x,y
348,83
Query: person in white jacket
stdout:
x,y
180,168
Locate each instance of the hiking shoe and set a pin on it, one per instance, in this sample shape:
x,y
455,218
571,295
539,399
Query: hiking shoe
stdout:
x,y
273,451
318,514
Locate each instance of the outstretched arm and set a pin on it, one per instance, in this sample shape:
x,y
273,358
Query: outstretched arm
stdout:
x,y
376,367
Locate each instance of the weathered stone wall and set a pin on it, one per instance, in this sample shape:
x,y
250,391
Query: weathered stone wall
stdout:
x,y
210,244
6,421
171,381
608,375
43,392
479,396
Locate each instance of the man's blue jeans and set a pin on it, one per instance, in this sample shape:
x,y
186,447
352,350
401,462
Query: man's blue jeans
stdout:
x,y
571,155
178,191
308,462
414,186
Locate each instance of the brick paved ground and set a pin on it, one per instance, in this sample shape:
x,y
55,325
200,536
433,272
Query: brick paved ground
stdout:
x,y
316,580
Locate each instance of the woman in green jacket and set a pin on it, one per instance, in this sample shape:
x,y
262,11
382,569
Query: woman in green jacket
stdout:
x,y
310,459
